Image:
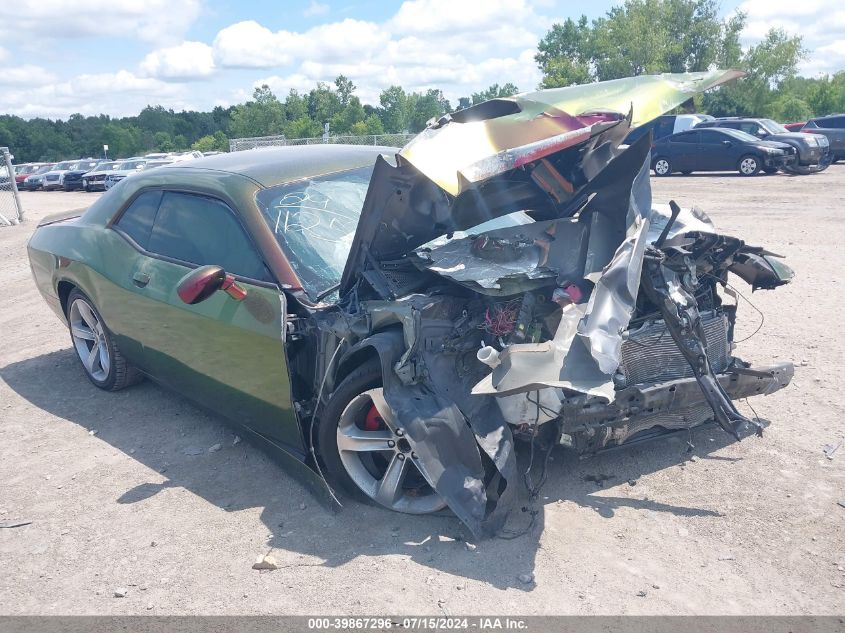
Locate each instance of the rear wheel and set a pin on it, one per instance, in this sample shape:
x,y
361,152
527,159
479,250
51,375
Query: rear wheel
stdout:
x,y
102,361
366,452
662,166
749,165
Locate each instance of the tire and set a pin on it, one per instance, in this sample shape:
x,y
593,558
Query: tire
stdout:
x,y
662,166
748,165
95,347
350,418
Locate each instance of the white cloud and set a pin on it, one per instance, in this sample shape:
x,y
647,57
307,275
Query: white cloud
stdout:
x,y
119,94
315,8
26,75
821,24
459,47
250,45
4,54
148,20
189,60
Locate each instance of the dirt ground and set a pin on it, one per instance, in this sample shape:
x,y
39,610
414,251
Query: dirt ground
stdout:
x,y
118,497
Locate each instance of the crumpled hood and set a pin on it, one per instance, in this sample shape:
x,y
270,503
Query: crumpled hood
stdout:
x,y
479,163
461,147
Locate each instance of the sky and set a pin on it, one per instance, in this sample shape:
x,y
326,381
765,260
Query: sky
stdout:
x,y
58,57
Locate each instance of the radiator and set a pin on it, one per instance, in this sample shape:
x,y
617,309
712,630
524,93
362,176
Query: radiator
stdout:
x,y
650,355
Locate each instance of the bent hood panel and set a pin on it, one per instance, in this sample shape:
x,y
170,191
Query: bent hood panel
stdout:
x,y
447,152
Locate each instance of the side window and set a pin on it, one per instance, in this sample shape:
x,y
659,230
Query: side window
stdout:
x,y
687,137
137,220
836,122
202,231
712,137
664,127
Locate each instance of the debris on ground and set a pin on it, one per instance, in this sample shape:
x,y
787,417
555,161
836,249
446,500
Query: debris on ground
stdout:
x,y
830,449
598,479
265,562
471,547
215,448
526,579
193,450
236,441
642,593
120,592
92,432
14,524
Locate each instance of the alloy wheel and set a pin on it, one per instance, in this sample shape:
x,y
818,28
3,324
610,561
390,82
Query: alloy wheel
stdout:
x,y
748,166
89,340
378,458
661,167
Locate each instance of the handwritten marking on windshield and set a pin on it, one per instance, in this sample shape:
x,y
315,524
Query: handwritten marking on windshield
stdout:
x,y
308,213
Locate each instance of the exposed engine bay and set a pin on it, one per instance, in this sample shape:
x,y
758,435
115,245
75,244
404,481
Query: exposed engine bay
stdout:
x,y
549,301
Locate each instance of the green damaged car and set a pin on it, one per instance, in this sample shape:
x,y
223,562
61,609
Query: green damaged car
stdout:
x,y
391,322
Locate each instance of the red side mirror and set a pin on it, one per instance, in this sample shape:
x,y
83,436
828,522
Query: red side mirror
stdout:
x,y
198,285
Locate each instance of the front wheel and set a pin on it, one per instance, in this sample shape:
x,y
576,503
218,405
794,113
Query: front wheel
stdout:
x,y
102,361
365,450
749,166
662,167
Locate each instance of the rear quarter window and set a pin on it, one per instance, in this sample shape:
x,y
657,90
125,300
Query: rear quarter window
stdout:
x,y
137,220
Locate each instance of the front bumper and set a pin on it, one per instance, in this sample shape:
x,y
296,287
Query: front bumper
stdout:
x,y
670,405
780,162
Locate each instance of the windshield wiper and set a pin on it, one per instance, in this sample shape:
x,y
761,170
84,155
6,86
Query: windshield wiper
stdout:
x,y
327,292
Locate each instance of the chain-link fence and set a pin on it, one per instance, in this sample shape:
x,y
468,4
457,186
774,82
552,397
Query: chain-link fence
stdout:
x,y
387,140
11,211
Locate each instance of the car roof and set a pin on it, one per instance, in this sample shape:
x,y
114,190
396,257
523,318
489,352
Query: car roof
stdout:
x,y
279,165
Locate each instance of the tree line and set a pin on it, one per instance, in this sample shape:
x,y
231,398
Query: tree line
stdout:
x,y
634,38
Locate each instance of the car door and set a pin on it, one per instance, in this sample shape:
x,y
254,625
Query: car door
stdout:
x,y
682,150
227,355
717,150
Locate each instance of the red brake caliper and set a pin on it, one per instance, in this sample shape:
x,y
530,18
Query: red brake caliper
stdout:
x,y
373,421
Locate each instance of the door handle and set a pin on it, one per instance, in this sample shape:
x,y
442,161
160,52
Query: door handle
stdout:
x,y
140,279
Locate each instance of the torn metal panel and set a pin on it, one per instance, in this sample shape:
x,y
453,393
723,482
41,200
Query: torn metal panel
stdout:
x,y
584,353
482,141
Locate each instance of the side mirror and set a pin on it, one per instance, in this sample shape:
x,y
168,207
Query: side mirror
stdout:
x,y
198,285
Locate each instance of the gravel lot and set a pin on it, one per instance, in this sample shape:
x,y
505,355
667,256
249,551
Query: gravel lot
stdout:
x,y
117,497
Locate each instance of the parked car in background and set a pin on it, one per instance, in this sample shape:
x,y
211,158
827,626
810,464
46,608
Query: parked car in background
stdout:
x,y
23,171
93,180
719,149
35,180
55,178
666,125
795,127
833,127
130,168
813,149
125,168
73,178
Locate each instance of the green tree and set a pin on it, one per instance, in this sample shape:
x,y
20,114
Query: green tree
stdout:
x,y
770,65
394,112
494,92
635,38
263,116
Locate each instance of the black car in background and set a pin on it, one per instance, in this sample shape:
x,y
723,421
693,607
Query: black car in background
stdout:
x,y
833,127
813,149
719,149
73,178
